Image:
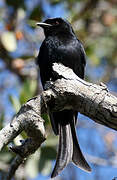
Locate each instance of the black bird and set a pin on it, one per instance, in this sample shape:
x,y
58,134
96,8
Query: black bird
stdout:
x,y
61,45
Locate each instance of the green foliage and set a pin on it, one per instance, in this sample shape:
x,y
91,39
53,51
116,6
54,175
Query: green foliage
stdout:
x,y
32,23
15,102
1,120
15,4
46,118
27,91
36,14
55,2
48,153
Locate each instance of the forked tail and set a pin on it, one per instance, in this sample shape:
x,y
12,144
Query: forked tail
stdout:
x,y
65,149
78,158
69,149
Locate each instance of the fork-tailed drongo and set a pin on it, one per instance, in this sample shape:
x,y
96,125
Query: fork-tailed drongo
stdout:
x,y
62,46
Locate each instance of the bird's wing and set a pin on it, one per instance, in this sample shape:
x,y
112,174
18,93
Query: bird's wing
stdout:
x,y
42,61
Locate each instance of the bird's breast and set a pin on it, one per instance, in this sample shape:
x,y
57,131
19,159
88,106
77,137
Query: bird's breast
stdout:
x,y
58,49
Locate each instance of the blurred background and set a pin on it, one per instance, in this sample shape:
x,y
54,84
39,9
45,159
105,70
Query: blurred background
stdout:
x,y
95,24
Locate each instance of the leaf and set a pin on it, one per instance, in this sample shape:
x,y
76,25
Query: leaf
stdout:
x,y
15,102
33,85
24,135
36,14
48,153
46,118
16,4
8,40
32,23
28,90
27,57
1,120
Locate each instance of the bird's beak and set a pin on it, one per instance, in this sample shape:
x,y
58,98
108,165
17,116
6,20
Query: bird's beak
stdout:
x,y
41,24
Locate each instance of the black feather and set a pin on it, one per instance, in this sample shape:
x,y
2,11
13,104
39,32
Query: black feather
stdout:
x,y
61,45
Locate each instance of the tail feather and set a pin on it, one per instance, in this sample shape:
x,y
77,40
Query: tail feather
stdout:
x,y
63,124
65,149
78,157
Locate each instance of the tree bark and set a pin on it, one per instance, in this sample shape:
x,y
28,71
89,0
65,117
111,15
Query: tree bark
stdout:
x,y
67,92
71,92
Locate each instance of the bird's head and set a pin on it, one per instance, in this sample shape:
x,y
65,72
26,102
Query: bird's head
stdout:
x,y
55,26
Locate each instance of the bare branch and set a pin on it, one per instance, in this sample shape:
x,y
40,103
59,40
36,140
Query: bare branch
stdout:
x,y
14,166
71,92
28,119
67,92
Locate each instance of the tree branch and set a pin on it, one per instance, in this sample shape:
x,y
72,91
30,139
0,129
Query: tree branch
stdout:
x,y
27,119
71,92
67,92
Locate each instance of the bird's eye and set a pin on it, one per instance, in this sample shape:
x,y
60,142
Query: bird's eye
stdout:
x,y
56,22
